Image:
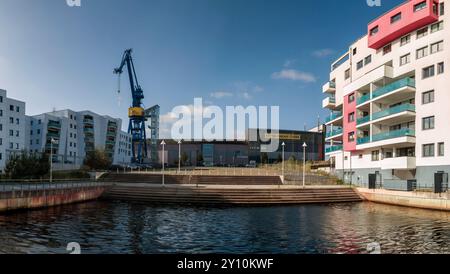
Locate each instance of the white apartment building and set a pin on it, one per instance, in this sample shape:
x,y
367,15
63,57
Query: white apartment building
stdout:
x,y
75,134
12,127
389,99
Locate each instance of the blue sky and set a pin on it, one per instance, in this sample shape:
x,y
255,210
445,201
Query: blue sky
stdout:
x,y
229,52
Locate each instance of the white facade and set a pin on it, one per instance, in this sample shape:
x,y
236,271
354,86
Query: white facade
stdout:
x,y
12,127
400,110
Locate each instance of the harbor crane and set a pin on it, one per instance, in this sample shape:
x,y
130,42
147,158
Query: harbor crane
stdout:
x,y
136,112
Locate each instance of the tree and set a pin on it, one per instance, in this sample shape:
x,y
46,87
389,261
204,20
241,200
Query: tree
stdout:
x,y
27,166
97,160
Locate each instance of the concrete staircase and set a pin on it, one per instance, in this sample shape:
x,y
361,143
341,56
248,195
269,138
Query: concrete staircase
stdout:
x,y
230,195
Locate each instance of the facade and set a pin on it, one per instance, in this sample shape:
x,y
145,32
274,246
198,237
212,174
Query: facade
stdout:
x,y
293,140
12,127
75,134
388,97
152,115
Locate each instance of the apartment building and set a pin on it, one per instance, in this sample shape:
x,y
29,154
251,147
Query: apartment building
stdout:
x,y
388,97
12,127
75,134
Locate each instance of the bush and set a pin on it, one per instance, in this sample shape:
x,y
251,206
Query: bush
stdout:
x,y
27,166
97,160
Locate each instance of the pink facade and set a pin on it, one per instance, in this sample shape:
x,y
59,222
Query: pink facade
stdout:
x,y
401,21
349,124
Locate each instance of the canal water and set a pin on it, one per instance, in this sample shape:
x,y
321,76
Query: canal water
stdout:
x,y
120,227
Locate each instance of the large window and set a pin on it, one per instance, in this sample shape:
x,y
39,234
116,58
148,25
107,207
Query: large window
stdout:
x,y
375,155
437,27
436,47
441,149
368,60
374,31
351,137
405,59
405,40
428,123
351,117
347,74
359,65
440,68
422,32
428,72
420,6
428,97
428,150
387,49
396,18
441,9
422,52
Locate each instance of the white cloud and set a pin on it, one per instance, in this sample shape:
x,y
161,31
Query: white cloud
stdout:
x,y
294,75
321,53
221,94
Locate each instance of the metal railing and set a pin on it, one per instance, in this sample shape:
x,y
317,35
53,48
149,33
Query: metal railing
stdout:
x,y
32,186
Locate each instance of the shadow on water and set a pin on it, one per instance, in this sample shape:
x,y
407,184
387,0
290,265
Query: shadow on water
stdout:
x,y
120,227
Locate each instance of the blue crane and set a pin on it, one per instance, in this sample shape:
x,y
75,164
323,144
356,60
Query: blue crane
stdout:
x,y
136,112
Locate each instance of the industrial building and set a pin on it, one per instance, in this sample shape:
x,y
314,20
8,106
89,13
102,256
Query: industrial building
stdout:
x,y
388,100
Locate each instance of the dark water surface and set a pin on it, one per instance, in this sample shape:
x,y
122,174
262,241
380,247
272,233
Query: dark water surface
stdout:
x,y
119,227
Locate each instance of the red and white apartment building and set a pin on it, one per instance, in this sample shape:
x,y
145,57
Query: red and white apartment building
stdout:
x,y
389,97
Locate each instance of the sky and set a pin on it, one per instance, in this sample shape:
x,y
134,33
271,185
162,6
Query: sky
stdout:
x,y
228,52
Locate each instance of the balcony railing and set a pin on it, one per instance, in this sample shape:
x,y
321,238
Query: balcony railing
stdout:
x,y
333,149
387,135
363,120
405,82
363,140
54,124
363,99
393,110
335,132
333,116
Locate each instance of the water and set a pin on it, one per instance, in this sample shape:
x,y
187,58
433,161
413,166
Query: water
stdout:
x,y
119,227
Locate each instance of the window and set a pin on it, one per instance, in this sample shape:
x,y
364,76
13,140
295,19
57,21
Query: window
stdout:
x,y
440,68
428,97
435,8
437,27
428,150
405,40
11,107
11,145
375,155
347,74
428,72
387,49
17,109
405,59
396,18
428,123
374,31
17,121
355,51
422,32
441,9
11,132
11,120
31,132
422,52
351,117
17,133
1,99
359,65
38,131
351,98
368,60
420,6
436,47
441,149
1,112
351,137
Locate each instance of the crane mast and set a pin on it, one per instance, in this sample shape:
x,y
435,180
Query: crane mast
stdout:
x,y
136,112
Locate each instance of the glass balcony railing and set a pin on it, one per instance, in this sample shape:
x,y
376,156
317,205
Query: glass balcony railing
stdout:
x,y
393,110
332,99
363,140
393,134
332,84
54,124
333,116
333,149
405,82
363,120
363,99
335,132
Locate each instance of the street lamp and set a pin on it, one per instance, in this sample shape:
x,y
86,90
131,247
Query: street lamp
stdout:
x,y
163,143
282,164
52,141
179,156
304,162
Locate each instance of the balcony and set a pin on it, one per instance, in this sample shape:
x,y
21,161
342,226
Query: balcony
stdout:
x,y
401,84
329,87
393,134
54,125
363,120
363,99
335,132
334,116
333,149
383,30
53,134
408,108
399,163
329,102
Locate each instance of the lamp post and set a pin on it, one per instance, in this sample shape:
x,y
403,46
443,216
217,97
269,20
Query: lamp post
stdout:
x,y
282,163
304,162
163,143
51,159
179,157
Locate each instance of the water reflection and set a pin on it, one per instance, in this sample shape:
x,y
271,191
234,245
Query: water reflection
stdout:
x,y
117,227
